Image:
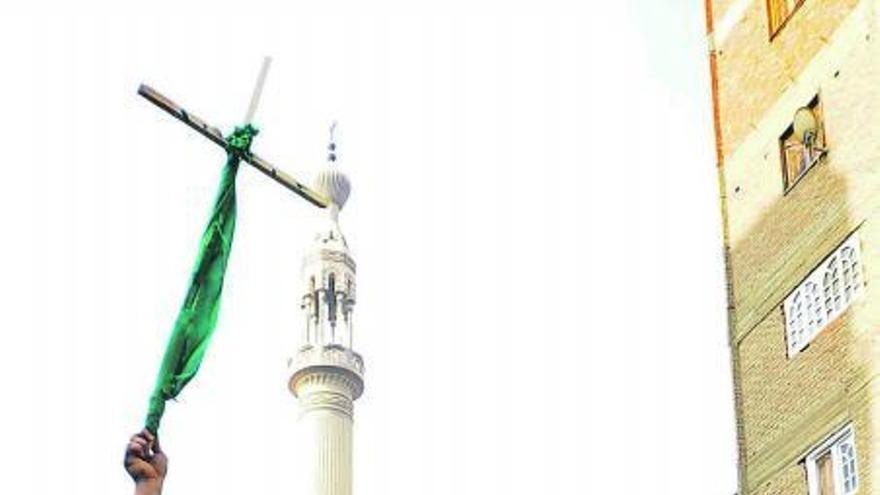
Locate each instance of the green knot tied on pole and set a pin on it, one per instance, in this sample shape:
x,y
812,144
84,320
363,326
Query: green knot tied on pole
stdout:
x,y
241,138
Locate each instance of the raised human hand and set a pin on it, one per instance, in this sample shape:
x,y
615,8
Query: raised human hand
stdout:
x,y
146,463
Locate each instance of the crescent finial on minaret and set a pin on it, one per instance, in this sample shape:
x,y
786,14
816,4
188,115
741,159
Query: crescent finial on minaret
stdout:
x,y
330,181
331,157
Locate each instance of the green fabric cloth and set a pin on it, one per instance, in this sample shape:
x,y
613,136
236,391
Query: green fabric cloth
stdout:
x,y
198,317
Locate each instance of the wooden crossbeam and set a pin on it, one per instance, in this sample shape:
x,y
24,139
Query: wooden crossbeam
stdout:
x,y
214,134
179,113
288,181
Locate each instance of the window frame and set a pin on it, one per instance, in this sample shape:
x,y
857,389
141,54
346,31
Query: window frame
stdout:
x,y
833,444
800,326
770,29
788,184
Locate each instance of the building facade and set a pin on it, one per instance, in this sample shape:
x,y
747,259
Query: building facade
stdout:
x,y
796,91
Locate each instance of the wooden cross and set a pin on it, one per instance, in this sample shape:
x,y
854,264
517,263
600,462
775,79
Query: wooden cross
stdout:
x,y
214,134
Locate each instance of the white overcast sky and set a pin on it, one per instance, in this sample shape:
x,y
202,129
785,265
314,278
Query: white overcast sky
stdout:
x,y
534,215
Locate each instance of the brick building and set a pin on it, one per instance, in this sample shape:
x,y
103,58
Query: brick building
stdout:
x,y
801,237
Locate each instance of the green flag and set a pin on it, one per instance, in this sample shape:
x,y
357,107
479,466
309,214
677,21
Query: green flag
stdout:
x,y
198,315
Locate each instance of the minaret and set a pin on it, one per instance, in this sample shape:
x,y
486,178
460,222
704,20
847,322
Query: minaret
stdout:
x,y
327,375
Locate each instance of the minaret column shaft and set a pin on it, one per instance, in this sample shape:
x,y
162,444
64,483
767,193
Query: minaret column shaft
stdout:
x,y
328,434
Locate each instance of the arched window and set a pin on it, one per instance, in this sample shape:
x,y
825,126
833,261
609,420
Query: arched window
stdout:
x,y
795,322
850,267
823,295
315,300
831,465
331,299
814,308
831,286
829,296
848,465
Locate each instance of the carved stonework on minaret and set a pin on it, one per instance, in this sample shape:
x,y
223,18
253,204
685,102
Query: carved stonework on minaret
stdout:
x,y
326,373
329,293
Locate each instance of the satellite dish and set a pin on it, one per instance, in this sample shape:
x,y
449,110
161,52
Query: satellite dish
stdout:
x,y
805,126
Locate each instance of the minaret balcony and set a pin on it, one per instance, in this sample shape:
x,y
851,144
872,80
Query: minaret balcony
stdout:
x,y
330,359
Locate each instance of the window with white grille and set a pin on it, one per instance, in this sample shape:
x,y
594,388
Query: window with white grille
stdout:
x,y
823,295
831,466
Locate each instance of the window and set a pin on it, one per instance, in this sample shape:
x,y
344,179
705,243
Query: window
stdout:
x,y
831,467
797,157
316,300
823,295
779,11
331,299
